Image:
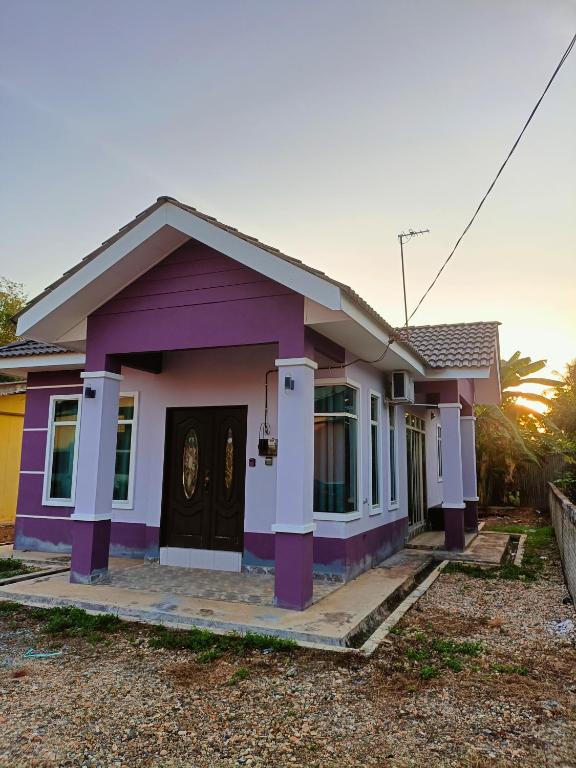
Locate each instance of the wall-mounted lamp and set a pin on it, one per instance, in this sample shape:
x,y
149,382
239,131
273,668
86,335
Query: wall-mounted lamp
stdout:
x,y
89,393
288,383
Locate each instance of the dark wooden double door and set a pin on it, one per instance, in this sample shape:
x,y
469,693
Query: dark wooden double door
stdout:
x,y
204,478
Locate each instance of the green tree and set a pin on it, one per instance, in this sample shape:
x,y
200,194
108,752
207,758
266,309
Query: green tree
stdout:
x,y
12,299
513,432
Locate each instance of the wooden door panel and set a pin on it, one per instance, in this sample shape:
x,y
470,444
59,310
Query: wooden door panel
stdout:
x,y
204,478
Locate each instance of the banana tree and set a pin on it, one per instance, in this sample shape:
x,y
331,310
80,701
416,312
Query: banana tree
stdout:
x,y
508,434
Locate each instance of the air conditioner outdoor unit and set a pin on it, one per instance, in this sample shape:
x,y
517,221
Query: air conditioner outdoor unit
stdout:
x,y
402,387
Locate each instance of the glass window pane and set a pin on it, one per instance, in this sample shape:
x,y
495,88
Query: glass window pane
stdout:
x,y
126,409
62,461
65,410
373,408
375,466
335,399
335,464
122,474
392,466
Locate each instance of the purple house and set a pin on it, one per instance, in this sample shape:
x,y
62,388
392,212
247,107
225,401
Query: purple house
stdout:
x,y
198,397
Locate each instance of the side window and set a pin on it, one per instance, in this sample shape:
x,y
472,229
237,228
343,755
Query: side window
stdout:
x,y
439,449
375,449
62,450
392,450
125,450
335,449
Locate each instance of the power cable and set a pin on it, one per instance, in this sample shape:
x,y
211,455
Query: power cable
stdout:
x,y
490,188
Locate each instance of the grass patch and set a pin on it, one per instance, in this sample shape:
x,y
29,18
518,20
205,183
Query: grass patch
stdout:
x,y
510,669
11,567
241,674
210,646
428,672
434,654
8,607
75,622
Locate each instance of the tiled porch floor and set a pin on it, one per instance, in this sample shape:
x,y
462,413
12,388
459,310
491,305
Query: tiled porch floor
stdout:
x,y
253,588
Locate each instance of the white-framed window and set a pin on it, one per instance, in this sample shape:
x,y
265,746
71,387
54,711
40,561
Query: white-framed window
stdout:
x,y
62,450
393,456
439,449
336,452
123,494
375,463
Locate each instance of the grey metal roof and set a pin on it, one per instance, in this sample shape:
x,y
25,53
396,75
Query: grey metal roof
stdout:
x,y
25,347
455,345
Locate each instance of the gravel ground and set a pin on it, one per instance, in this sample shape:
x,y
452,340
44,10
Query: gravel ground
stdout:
x,y
122,703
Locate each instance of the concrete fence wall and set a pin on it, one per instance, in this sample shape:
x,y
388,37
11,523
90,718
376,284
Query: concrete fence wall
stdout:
x,y
563,514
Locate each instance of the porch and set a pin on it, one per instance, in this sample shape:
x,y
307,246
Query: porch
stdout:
x,y
229,602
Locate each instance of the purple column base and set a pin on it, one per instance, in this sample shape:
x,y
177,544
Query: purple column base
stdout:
x,y
454,529
293,572
90,547
471,517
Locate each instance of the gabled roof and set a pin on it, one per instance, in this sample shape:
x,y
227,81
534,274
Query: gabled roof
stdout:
x,y
26,347
163,200
455,345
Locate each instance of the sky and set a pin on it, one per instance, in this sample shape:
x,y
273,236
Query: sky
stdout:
x,y
323,127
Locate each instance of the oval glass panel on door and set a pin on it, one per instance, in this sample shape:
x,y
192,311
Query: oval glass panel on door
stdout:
x,y
190,464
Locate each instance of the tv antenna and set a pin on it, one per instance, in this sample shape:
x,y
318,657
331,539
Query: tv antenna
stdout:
x,y
403,238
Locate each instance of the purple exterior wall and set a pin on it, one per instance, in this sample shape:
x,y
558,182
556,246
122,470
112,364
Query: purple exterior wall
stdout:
x,y
196,298
343,558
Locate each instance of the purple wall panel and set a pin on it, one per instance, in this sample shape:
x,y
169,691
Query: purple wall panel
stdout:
x,y
341,557
33,451
47,534
30,498
53,378
196,299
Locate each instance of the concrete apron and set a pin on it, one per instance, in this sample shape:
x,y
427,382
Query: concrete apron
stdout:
x,y
333,622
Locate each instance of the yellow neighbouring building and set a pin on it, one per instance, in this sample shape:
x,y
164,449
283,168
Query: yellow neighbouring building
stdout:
x,y
12,403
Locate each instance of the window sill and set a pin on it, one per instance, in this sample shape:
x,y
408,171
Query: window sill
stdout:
x,y
120,505
393,507
338,517
375,511
57,502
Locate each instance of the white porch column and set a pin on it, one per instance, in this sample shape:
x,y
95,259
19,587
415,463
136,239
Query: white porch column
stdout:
x,y
470,486
95,476
294,483
452,482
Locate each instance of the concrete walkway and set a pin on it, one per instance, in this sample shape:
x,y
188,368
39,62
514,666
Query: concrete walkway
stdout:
x,y
333,620
484,548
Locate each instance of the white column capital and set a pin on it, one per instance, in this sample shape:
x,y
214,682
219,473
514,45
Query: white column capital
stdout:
x,y
284,362
450,405
467,418
101,375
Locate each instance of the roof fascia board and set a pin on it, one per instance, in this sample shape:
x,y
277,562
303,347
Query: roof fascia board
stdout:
x,y
266,263
91,271
30,362
458,373
363,319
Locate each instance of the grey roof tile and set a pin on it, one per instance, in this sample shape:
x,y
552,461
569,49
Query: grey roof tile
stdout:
x,y
456,345
25,347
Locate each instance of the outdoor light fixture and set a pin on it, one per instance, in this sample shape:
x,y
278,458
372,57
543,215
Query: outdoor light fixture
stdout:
x,y
288,383
89,393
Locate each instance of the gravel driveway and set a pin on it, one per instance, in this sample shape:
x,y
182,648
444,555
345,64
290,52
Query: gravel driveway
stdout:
x,y
507,697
